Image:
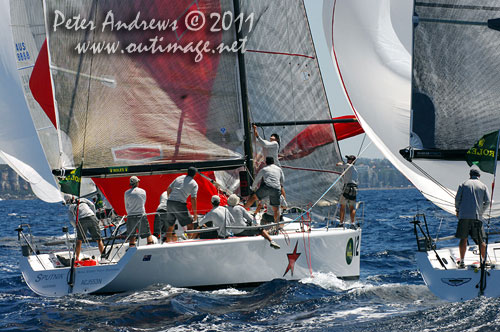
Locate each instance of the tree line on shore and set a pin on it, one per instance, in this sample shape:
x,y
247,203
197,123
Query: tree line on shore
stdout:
x,y
373,173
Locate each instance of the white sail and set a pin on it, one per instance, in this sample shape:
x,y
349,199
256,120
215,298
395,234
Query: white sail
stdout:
x,y
19,143
374,63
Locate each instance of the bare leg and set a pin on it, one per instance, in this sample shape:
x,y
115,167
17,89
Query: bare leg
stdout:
x,y
462,246
191,227
132,241
170,234
342,213
352,213
482,249
276,213
100,245
250,201
78,249
265,235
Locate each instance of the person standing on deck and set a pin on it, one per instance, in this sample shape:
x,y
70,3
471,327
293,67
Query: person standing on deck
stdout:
x,y
270,148
272,186
471,201
87,222
135,201
348,196
178,192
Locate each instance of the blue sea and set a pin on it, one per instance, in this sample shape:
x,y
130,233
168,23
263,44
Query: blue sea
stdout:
x,y
389,296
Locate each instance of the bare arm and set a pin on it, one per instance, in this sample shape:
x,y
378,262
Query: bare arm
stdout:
x,y
195,210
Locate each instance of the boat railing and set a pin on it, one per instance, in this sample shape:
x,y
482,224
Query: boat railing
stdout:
x,y
27,243
424,240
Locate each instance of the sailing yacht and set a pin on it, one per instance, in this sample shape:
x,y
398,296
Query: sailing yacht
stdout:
x,y
426,93
153,115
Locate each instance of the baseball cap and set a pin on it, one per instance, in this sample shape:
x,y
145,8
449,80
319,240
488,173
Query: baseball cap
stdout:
x,y
215,199
134,180
350,157
233,200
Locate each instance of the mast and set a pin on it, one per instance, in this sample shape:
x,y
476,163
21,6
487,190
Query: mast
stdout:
x,y
244,96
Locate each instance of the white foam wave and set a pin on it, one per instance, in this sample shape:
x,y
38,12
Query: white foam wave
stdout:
x,y
330,281
229,291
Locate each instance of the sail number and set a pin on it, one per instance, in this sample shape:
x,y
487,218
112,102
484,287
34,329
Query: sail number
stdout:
x,y
21,52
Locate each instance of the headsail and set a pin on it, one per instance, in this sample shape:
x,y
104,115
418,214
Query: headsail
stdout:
x,y
374,63
19,143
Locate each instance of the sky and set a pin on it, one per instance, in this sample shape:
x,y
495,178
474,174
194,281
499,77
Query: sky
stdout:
x,y
336,98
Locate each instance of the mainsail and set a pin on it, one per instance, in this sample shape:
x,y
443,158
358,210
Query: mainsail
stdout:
x,y
374,63
285,84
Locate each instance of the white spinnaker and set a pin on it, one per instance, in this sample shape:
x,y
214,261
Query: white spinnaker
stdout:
x,y
18,139
370,43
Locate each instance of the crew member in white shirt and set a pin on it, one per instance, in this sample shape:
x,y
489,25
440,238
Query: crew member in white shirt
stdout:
x,y
135,201
272,186
178,192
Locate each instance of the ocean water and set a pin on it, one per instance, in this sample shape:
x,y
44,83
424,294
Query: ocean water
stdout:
x,y
390,294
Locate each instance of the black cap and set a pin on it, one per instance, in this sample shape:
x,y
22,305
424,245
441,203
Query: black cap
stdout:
x,y
192,171
350,157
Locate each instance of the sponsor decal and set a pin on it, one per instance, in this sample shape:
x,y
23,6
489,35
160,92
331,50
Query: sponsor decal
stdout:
x,y
349,251
292,258
455,281
48,277
146,258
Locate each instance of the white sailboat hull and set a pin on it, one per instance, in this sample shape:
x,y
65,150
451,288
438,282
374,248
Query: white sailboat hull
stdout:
x,y
455,284
208,263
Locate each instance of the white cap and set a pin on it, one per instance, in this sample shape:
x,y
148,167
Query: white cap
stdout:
x,y
215,199
233,200
134,180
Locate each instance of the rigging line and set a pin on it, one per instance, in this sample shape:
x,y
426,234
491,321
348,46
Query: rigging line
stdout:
x,y
88,91
362,142
327,190
436,20
450,6
427,175
310,169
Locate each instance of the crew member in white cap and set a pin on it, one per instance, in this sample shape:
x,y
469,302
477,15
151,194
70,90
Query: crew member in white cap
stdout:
x,y
242,218
135,201
178,192
219,216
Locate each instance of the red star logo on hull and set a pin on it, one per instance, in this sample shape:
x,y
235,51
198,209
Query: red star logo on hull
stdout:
x,y
292,258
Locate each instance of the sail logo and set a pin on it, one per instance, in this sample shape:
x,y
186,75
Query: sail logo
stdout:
x,y
481,152
455,282
135,153
352,249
